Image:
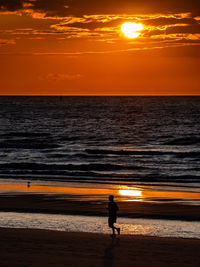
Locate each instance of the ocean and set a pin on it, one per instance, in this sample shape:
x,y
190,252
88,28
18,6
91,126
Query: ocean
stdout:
x,y
136,140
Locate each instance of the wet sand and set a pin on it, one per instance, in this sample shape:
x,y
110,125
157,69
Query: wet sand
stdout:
x,y
25,247
28,247
61,205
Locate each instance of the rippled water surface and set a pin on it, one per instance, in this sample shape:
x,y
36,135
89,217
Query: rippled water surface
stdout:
x,y
123,140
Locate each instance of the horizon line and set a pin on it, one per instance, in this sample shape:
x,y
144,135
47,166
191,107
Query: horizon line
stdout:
x,y
99,95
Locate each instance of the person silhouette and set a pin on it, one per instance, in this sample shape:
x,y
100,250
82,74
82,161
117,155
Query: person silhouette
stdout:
x,y
112,215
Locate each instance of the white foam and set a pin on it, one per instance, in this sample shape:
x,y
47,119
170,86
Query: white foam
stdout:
x,y
94,224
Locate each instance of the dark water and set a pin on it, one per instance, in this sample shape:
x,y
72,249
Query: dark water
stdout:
x,y
101,139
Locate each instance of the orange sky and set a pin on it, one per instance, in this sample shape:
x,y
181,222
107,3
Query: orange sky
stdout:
x,y
76,47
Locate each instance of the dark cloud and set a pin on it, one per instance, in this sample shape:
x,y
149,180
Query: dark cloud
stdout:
x,y
92,25
11,5
156,22
192,29
172,31
102,19
169,21
134,6
82,7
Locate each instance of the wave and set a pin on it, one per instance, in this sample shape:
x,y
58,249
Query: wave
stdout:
x,y
83,167
70,138
27,140
75,155
27,144
123,152
25,134
192,140
93,177
142,152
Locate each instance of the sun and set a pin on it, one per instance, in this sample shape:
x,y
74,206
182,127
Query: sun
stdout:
x,y
130,29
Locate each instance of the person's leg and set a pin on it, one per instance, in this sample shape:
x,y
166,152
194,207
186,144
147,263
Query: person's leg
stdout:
x,y
110,224
113,229
117,229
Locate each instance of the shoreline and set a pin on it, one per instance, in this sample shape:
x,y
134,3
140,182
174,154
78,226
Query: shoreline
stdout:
x,y
57,204
31,247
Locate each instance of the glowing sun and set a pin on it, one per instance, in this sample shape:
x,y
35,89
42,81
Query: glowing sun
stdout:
x,y
130,29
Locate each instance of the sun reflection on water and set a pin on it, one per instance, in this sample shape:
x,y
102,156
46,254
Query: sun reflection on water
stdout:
x,y
130,192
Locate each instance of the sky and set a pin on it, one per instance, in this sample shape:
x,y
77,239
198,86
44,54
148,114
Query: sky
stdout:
x,y
76,47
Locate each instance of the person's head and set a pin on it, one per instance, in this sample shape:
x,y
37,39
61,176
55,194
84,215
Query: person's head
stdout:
x,y
111,197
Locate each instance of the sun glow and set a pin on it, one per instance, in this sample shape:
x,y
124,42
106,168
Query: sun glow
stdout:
x,y
130,193
130,29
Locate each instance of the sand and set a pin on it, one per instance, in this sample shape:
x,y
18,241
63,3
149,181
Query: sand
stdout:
x,y
61,205
25,247
28,247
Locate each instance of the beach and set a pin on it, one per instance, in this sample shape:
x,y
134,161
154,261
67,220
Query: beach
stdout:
x,y
60,204
99,133
60,160
25,247
37,247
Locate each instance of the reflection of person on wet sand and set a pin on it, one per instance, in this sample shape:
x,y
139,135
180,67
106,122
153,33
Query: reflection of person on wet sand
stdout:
x,y
112,213
109,258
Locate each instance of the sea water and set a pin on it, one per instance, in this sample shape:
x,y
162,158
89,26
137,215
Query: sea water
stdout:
x,y
150,141
94,224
